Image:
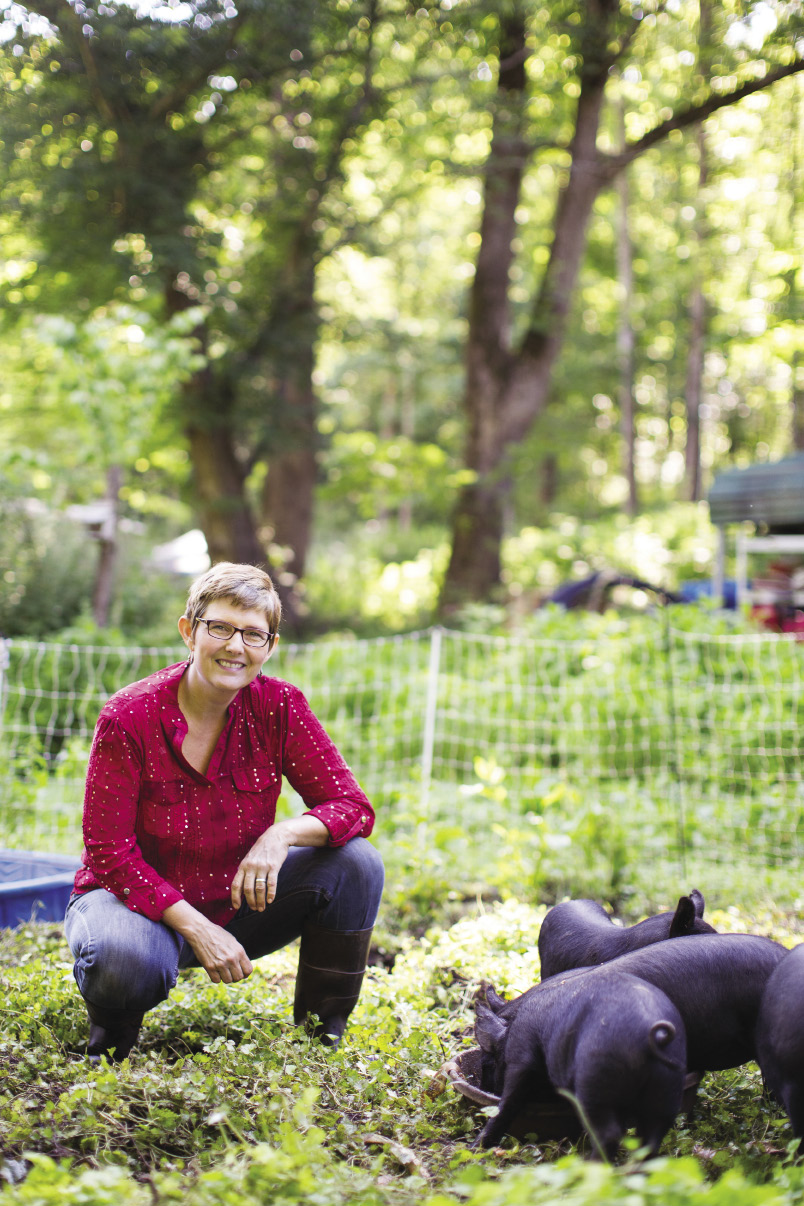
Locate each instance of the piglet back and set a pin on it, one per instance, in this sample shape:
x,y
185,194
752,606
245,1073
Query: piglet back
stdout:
x,y
580,933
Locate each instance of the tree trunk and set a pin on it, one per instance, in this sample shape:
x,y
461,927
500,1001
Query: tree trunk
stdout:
x,y
506,390
798,403
291,440
698,308
219,477
223,512
107,550
625,335
407,428
693,391
474,567
549,479
288,498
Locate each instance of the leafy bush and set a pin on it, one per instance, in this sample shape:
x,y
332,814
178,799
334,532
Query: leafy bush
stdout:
x,y
384,578
665,547
39,552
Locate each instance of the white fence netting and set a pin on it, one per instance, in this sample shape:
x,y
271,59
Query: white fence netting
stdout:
x,y
690,741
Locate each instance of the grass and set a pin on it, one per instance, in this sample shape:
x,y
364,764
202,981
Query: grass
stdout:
x,y
225,1097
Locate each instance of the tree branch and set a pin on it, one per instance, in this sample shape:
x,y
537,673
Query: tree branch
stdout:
x,y
71,20
174,99
625,41
612,165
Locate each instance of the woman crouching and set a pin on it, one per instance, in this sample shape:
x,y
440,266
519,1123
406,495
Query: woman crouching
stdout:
x,y
184,864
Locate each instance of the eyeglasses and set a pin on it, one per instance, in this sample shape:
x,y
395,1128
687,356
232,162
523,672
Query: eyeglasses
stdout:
x,y
222,631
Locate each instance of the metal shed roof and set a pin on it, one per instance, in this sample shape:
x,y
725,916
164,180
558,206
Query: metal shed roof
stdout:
x,y
769,494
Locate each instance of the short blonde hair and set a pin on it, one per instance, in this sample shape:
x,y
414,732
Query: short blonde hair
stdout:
x,y
246,585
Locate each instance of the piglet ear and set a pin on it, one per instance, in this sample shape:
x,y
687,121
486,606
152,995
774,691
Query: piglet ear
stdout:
x,y
490,1030
487,995
493,999
697,899
684,918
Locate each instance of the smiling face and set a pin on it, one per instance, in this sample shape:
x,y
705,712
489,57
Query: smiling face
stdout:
x,y
224,666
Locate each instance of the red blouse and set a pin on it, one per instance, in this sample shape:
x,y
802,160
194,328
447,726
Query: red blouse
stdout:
x,y
156,830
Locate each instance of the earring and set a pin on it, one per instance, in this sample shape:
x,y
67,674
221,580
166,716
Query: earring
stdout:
x,y
190,656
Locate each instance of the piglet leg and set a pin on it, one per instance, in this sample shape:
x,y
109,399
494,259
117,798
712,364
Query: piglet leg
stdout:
x,y
518,1081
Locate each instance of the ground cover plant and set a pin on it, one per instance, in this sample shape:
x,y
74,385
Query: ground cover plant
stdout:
x,y
226,1099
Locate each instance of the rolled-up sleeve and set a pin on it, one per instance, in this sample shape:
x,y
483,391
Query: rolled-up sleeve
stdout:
x,y
314,767
111,850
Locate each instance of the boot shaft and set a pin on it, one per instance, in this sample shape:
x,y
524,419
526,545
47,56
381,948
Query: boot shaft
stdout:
x,y
332,964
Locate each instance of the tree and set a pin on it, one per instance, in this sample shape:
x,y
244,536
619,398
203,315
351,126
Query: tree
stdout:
x,y
93,391
203,151
626,337
107,121
508,373
795,308
698,309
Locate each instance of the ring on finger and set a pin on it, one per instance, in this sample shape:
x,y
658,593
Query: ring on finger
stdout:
x,y
260,881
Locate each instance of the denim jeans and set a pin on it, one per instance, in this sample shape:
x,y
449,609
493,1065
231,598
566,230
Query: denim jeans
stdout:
x,y
124,961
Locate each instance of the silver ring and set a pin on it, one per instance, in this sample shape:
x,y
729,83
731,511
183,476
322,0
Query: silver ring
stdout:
x,y
260,881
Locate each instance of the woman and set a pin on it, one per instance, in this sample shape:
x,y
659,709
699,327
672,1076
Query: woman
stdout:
x,y
184,864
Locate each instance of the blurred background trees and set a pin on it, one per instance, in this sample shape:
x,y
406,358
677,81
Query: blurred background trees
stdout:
x,y
389,297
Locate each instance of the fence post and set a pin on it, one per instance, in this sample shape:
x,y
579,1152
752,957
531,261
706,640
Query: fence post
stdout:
x,y
430,708
4,661
674,762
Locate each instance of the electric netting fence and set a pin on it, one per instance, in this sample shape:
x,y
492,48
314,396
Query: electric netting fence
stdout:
x,y
689,742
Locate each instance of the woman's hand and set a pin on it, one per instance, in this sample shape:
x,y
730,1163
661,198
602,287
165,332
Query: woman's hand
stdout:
x,y
219,953
255,879
221,956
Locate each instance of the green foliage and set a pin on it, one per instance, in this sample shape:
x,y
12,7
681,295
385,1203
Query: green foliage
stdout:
x,y
379,581
39,551
224,1100
97,389
383,576
46,599
23,780
311,175
371,476
565,756
664,547
130,146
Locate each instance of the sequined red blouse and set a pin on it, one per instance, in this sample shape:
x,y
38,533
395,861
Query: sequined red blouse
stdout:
x,y
157,831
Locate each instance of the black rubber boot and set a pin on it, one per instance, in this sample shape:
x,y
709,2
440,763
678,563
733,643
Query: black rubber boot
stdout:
x,y
332,964
111,1033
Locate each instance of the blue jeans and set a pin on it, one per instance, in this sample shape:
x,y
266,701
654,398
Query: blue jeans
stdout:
x,y
124,961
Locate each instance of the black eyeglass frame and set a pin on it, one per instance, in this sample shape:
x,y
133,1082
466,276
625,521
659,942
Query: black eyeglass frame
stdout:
x,y
270,637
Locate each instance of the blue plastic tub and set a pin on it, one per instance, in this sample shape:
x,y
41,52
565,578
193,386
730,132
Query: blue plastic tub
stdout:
x,y
701,588
34,885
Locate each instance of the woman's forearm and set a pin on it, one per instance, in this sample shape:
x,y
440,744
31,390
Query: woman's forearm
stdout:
x,y
305,830
186,920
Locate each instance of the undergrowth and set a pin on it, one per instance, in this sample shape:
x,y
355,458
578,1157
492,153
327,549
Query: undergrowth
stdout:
x,y
225,1099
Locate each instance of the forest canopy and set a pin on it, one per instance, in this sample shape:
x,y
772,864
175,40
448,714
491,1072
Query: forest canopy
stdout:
x,y
406,279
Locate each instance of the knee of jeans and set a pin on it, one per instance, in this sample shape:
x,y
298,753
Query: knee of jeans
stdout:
x,y
365,871
119,975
